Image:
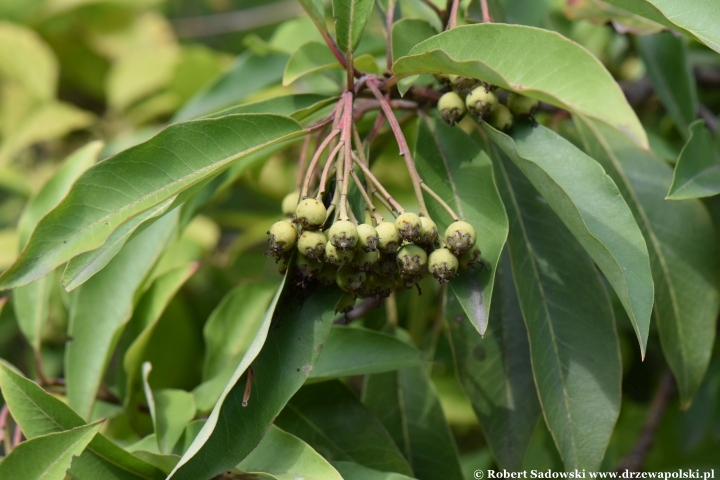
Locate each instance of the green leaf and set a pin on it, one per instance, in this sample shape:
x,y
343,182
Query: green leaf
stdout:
x,y
183,156
101,308
28,60
408,405
286,457
350,19
590,205
697,18
309,58
570,323
39,413
495,371
291,350
355,471
249,73
316,11
683,253
599,12
571,78
47,457
697,172
455,167
298,106
332,420
406,33
665,59
359,351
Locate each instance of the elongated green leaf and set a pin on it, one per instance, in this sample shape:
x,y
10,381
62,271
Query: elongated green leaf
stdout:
x,y
286,457
683,253
309,58
406,33
291,350
350,19
359,351
355,471
249,73
571,78
183,156
570,323
408,405
39,413
697,172
28,60
298,106
695,18
47,457
590,205
101,308
332,420
665,59
454,166
316,11
495,371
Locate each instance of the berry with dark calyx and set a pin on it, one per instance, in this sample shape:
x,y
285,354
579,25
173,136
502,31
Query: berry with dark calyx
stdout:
x,y
443,78
409,281
290,202
408,226
336,256
283,263
451,107
346,303
501,118
388,237
350,279
282,238
343,234
443,265
428,231
367,238
308,267
326,276
469,258
460,237
365,260
411,260
310,213
522,106
465,83
377,286
481,102
312,244
386,265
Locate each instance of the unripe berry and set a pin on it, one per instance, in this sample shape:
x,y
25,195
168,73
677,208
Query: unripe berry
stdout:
x,y
336,256
469,258
312,244
428,231
460,237
443,265
443,78
308,266
367,238
365,260
481,102
350,279
521,106
311,213
501,118
343,234
408,226
346,303
451,108
326,276
282,238
386,265
377,286
409,281
388,238
283,263
465,83
290,202
411,260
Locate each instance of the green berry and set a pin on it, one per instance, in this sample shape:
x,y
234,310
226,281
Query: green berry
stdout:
x,y
336,256
443,265
428,231
443,78
521,106
377,286
350,279
501,118
311,213
343,234
388,238
451,107
469,258
411,260
312,244
289,203
367,238
309,267
386,265
460,237
282,237
346,303
326,276
408,226
365,260
283,263
481,102
465,83
409,281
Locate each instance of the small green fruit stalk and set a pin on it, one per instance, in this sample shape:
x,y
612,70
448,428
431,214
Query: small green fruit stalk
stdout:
x,y
312,244
367,238
501,118
282,238
408,226
343,234
521,106
310,213
451,107
411,260
443,265
481,103
460,237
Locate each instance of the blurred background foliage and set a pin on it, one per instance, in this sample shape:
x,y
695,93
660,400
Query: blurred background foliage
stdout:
x,y
72,71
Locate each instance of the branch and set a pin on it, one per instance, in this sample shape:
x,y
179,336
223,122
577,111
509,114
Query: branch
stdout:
x,y
486,18
367,305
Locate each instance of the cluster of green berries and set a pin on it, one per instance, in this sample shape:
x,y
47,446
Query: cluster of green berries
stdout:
x,y
369,260
481,101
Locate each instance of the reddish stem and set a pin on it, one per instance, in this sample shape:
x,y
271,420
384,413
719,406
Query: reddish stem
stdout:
x,y
248,386
326,170
389,20
452,21
486,18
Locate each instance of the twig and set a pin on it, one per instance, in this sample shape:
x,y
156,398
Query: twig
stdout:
x,y
367,305
369,175
452,21
486,18
326,169
442,202
314,161
347,126
434,8
710,119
